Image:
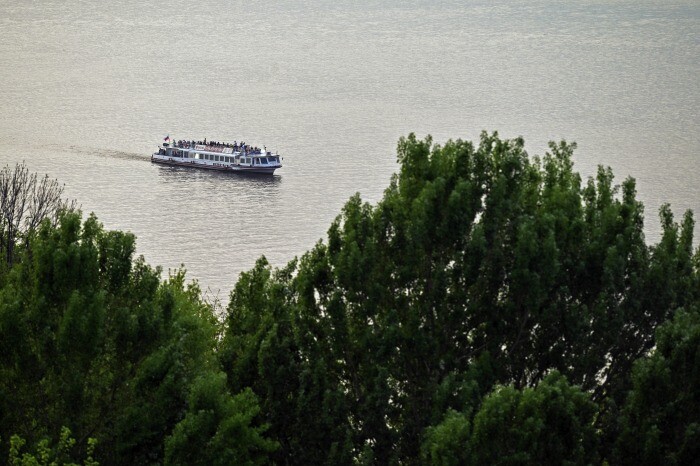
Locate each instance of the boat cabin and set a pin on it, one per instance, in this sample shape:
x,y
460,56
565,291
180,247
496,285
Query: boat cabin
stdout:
x,y
236,158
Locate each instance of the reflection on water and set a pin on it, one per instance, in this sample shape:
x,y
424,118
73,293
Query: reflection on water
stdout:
x,y
245,180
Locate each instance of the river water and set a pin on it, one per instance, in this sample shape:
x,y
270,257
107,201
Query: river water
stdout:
x,y
89,88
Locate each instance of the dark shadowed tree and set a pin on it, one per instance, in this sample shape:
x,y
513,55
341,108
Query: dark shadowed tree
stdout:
x,y
660,422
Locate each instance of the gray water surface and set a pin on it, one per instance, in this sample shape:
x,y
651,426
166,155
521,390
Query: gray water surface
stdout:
x,y
88,89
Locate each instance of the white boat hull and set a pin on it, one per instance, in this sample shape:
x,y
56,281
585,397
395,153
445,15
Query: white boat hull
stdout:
x,y
206,165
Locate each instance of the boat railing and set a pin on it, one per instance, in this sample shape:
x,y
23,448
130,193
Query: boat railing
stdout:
x,y
219,147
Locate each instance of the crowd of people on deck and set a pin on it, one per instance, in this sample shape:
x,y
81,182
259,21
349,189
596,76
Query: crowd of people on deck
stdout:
x,y
236,146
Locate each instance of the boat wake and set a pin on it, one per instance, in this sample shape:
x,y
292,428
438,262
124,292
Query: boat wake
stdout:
x,y
106,153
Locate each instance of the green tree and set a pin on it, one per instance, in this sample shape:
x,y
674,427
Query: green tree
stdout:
x,y
660,422
480,265
281,355
217,428
94,340
45,455
549,424
447,444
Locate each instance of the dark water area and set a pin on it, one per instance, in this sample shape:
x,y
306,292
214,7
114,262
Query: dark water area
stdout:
x,y
89,89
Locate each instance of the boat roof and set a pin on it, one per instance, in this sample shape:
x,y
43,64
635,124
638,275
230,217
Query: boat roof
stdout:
x,y
200,148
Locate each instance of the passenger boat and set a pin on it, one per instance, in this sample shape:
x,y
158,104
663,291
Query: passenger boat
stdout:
x,y
236,157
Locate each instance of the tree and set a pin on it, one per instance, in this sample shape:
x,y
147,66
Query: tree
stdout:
x,y
45,455
25,201
447,444
279,354
221,424
660,422
480,266
93,340
549,424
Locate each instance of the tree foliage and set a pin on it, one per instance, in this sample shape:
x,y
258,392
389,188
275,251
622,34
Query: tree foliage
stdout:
x,y
94,340
660,421
480,266
551,423
220,425
45,455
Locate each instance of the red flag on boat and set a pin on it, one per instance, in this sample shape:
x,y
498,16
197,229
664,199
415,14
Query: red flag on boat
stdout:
x,y
167,138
